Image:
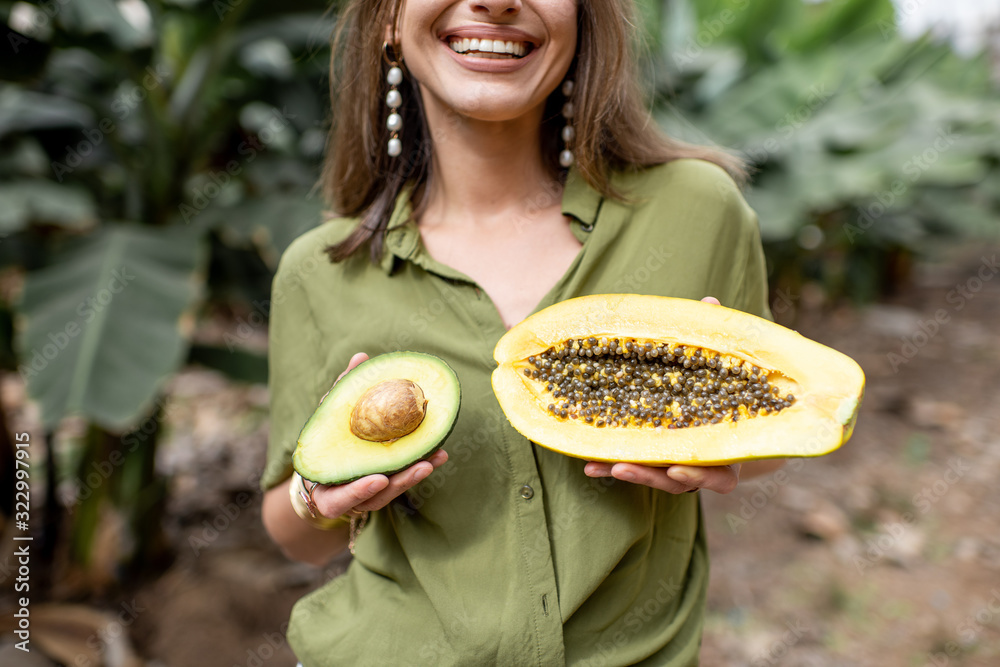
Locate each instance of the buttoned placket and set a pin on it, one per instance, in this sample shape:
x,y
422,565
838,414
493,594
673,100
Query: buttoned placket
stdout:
x,y
403,244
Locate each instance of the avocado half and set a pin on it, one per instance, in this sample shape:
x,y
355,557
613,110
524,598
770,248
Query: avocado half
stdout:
x,y
341,443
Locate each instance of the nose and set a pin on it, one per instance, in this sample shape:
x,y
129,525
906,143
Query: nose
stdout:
x,y
497,8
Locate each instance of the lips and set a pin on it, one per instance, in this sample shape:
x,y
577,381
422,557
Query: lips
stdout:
x,y
489,41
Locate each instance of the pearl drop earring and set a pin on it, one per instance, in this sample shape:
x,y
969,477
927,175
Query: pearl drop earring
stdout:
x,y
568,132
394,100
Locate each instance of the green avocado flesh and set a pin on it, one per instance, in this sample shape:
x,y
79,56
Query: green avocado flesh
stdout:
x,y
329,452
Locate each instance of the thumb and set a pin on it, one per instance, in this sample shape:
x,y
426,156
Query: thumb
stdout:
x,y
358,358
355,360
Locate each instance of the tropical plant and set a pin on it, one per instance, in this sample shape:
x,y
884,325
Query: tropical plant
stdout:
x,y
157,157
867,149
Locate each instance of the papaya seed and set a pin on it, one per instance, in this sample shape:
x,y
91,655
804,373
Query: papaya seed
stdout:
x,y
706,387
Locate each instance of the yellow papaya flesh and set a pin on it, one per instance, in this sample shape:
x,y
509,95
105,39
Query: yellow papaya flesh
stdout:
x,y
660,380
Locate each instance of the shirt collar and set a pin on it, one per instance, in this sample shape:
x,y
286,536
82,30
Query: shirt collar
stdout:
x,y
580,201
402,239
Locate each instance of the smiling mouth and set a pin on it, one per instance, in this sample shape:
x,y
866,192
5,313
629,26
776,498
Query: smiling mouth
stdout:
x,y
489,48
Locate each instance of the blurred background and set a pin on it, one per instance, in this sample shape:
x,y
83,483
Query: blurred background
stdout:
x,y
156,157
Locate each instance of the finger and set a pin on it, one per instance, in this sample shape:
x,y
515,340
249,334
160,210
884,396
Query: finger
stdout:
x,y
711,299
657,478
597,469
400,482
355,360
334,500
721,479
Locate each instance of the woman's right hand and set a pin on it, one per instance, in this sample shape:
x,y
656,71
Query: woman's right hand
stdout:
x,y
372,492
303,541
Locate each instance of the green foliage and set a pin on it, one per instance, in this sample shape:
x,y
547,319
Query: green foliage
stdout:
x,y
202,124
106,321
203,120
866,149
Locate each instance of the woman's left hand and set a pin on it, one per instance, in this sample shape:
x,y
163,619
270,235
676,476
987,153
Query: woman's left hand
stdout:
x,y
675,478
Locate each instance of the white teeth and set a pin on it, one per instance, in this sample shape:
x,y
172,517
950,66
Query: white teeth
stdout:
x,y
484,46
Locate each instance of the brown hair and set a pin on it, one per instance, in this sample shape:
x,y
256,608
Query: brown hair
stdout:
x,y
614,130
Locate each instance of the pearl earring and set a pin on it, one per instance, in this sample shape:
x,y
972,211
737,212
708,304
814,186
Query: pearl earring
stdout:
x,y
394,100
568,132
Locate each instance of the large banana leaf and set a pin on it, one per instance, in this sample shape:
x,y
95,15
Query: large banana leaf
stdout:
x,y
108,320
23,110
36,200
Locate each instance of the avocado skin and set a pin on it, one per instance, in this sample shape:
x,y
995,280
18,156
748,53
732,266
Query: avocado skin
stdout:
x,y
385,359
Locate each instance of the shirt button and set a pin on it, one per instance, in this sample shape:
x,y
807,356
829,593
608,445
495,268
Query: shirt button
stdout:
x,y
527,492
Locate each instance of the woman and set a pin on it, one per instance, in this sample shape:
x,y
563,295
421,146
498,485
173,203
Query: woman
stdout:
x,y
467,205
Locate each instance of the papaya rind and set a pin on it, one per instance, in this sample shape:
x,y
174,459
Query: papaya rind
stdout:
x,y
316,446
828,385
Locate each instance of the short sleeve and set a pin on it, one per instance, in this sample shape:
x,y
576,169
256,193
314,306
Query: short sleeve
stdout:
x,y
697,213
753,291
738,276
294,355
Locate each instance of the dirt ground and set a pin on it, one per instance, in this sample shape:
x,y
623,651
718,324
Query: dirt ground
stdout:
x,y
885,553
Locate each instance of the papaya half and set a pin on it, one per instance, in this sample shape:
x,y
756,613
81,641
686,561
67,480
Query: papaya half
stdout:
x,y
660,380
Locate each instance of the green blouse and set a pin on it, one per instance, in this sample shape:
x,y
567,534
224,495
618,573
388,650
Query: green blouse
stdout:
x,y
508,554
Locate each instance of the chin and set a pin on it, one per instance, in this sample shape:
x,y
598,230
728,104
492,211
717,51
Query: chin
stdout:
x,y
492,108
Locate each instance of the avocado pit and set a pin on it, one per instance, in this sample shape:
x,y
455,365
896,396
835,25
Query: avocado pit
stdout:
x,y
388,411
